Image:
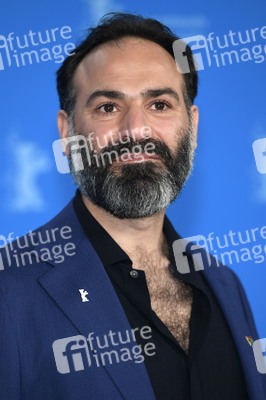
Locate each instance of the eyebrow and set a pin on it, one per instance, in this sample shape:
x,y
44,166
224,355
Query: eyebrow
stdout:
x,y
117,95
110,94
151,93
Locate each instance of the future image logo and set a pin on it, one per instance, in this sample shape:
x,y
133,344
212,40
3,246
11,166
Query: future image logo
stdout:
x,y
35,47
29,249
230,248
221,50
83,149
77,353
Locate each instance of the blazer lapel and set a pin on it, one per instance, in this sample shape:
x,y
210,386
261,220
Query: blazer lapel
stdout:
x,y
102,313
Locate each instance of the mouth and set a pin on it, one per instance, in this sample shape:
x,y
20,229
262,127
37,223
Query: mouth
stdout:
x,y
137,158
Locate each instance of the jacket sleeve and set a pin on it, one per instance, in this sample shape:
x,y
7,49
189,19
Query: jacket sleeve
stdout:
x,y
9,358
250,319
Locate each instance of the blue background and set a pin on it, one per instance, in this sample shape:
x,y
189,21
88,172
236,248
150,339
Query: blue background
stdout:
x,y
225,190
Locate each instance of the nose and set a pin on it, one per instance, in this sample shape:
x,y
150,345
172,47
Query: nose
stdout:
x,y
134,124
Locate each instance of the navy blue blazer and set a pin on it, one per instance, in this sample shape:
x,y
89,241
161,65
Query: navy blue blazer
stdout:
x,y
41,303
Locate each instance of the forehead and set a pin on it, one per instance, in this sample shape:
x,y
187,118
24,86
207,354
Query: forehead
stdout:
x,y
130,64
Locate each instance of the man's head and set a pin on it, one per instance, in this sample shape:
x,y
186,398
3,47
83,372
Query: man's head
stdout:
x,y
112,27
121,78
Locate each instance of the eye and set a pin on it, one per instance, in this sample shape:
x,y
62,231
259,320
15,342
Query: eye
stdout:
x,y
107,108
160,105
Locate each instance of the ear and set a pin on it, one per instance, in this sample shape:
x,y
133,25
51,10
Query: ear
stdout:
x,y
195,117
62,123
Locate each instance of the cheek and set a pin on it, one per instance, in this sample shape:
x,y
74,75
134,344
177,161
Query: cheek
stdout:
x,y
171,131
101,129
166,131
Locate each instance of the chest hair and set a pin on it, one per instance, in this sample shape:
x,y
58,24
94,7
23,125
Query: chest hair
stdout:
x,y
171,299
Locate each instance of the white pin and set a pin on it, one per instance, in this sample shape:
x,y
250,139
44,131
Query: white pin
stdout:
x,y
83,294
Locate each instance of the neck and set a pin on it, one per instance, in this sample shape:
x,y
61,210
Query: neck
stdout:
x,y
132,235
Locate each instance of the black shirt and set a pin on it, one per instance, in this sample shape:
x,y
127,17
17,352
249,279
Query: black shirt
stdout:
x,y
211,370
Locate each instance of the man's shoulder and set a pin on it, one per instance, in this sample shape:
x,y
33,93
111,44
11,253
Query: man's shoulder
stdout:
x,y
221,272
227,286
49,242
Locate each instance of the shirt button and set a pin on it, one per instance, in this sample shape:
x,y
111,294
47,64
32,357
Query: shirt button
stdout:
x,y
134,273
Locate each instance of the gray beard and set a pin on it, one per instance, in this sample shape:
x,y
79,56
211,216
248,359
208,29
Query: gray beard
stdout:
x,y
136,190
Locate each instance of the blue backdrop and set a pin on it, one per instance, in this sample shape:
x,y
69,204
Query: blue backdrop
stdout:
x,y
226,190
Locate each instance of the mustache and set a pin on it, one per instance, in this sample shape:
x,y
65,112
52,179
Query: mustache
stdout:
x,y
159,148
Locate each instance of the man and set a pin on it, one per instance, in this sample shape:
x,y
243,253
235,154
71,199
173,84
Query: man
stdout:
x,y
115,319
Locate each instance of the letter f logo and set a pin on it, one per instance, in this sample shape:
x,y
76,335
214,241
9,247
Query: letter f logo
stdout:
x,y
79,149
259,350
5,247
186,248
4,46
71,354
179,49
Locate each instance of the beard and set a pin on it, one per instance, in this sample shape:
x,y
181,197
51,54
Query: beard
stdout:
x,y
135,189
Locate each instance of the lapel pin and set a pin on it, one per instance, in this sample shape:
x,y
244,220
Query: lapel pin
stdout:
x,y
83,294
250,340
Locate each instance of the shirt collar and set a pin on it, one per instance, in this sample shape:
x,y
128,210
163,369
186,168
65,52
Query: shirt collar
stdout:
x,y
109,250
